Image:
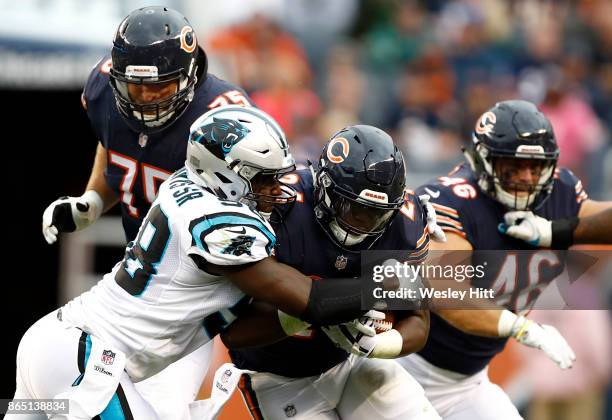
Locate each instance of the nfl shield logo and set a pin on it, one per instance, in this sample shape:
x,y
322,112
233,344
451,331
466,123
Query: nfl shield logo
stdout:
x,y
142,139
341,262
108,357
226,375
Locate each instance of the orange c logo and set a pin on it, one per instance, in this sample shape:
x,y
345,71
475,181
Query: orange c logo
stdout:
x,y
188,39
345,150
486,123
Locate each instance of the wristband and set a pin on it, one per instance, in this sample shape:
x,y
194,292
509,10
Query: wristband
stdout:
x,y
506,322
563,232
95,202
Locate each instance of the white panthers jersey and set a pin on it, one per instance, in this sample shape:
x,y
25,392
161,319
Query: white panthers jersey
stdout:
x,y
157,305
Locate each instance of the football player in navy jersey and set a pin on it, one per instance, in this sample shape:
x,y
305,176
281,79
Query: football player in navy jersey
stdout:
x,y
141,102
355,201
511,166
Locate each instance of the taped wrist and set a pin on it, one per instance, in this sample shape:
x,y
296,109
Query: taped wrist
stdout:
x,y
506,322
333,301
388,345
563,232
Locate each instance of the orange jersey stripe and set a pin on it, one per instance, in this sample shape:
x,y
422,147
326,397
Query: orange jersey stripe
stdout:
x,y
445,209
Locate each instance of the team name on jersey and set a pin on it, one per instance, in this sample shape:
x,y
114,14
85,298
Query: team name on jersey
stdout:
x,y
185,189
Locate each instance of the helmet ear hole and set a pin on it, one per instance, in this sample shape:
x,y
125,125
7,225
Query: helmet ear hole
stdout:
x,y
222,178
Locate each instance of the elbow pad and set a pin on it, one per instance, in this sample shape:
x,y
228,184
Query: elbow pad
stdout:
x,y
333,301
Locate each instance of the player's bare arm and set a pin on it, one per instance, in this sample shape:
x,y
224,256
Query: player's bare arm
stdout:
x,y
473,321
596,228
260,326
97,181
67,214
414,329
322,302
504,323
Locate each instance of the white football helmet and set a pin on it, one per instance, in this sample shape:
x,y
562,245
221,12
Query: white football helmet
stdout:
x,y
230,145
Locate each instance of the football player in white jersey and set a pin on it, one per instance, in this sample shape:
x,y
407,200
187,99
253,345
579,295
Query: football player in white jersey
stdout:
x,y
203,246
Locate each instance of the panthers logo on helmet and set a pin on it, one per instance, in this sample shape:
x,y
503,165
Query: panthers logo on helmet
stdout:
x,y
345,150
220,136
188,39
486,123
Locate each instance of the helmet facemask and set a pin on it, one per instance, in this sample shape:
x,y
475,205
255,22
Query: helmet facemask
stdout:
x,y
514,154
496,181
153,116
275,195
353,218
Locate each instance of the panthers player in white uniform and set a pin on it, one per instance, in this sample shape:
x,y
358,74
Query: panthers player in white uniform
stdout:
x,y
202,244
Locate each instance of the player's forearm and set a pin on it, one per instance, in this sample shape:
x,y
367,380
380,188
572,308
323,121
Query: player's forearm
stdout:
x,y
595,229
259,326
483,322
414,329
324,302
97,181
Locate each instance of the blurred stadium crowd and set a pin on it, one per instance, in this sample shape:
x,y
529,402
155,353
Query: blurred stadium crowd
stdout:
x,y
425,70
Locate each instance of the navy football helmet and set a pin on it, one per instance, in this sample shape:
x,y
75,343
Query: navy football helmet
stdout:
x,y
359,185
514,129
155,45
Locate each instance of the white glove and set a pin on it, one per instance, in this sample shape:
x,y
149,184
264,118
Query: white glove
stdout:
x,y
544,337
67,214
434,230
356,336
525,225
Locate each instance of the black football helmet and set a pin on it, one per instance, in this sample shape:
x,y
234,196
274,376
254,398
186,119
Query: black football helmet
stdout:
x,y
514,129
359,185
155,45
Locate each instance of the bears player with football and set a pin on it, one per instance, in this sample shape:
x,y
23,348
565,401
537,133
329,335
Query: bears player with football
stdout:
x,y
203,249
511,167
141,101
355,201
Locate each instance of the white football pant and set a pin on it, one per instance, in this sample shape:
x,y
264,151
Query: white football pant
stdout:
x,y
460,397
358,388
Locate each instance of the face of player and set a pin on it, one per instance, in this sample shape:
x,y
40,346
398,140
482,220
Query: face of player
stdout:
x,y
360,218
148,93
520,176
268,186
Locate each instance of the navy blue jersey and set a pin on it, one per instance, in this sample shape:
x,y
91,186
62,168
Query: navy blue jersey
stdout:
x,y
137,164
463,209
303,244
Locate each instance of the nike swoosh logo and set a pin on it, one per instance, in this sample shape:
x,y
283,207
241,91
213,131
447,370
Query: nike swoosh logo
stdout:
x,y
241,232
431,193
